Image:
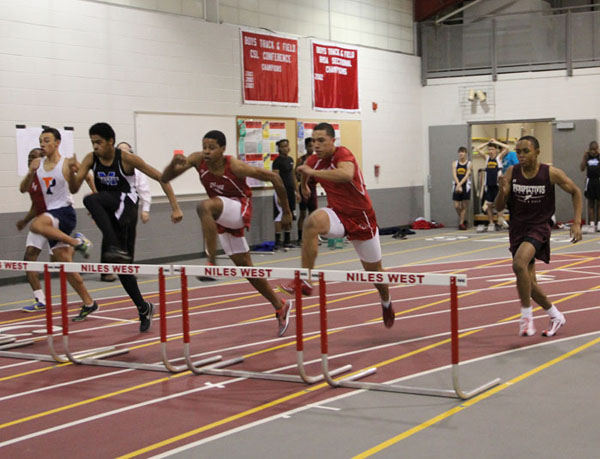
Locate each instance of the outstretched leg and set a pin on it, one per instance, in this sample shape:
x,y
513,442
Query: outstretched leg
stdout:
x,y
209,211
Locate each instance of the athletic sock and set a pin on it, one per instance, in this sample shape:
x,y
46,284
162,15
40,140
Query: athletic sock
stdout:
x,y
553,312
286,237
526,312
277,238
39,296
386,304
299,235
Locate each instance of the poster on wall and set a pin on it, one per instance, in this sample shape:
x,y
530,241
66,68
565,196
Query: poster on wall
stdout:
x,y
257,144
269,69
28,138
334,77
305,129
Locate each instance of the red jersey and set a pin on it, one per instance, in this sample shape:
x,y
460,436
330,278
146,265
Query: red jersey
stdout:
x,y
229,186
349,200
37,196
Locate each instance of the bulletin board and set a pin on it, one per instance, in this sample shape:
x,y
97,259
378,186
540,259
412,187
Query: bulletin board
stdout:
x,y
159,134
350,135
256,141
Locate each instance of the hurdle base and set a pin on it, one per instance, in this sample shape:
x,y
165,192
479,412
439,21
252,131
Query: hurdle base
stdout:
x,y
313,379
5,339
179,368
351,383
13,343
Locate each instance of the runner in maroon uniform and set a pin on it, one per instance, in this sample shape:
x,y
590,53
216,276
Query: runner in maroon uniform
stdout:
x,y
349,211
528,187
228,209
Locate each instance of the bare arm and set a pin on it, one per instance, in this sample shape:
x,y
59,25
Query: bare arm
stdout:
x,y
454,173
558,177
504,184
242,170
77,173
179,164
89,179
480,149
138,163
583,164
505,148
28,217
28,179
344,172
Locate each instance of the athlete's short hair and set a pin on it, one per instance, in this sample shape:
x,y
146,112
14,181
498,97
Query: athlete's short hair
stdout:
x,y
103,130
328,128
280,141
51,130
218,136
464,149
531,139
307,141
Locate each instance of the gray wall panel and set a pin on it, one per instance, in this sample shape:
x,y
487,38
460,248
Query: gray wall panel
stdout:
x,y
160,239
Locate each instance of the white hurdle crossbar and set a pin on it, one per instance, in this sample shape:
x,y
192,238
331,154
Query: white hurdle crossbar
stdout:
x,y
453,280
248,272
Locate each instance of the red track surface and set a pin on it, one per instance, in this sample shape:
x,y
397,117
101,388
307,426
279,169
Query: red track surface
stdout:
x,y
123,411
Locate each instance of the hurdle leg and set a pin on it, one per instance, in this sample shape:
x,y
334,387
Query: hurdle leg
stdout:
x,y
455,358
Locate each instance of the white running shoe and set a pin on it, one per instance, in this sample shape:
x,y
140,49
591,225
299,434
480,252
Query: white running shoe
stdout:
x,y
526,327
480,228
491,227
554,325
598,227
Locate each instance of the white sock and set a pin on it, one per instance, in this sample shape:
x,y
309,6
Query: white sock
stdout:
x,y
553,312
39,296
526,312
386,304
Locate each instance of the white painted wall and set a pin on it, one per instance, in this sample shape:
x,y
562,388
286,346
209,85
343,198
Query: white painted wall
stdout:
x,y
518,96
76,62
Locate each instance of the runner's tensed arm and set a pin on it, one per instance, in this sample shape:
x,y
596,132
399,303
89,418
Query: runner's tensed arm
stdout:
x,y
504,184
558,177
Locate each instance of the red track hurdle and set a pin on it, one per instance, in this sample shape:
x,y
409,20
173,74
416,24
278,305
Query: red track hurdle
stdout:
x,y
398,278
249,272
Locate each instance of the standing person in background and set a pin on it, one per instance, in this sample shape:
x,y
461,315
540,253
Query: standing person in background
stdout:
x,y
309,203
591,165
528,188
143,189
284,166
349,212
493,170
115,208
461,191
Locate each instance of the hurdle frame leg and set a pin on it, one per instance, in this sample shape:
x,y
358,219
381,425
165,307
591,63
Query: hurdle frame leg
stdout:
x,y
219,370
455,392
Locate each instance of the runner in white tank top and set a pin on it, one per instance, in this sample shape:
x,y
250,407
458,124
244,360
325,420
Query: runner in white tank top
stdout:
x,y
58,219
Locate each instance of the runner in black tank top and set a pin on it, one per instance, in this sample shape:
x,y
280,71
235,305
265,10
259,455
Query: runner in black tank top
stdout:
x,y
591,165
114,208
529,189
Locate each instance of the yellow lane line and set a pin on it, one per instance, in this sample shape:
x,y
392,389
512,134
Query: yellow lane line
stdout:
x,y
466,404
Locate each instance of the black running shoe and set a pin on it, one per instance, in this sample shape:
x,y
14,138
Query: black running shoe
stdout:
x,y
146,318
116,255
85,311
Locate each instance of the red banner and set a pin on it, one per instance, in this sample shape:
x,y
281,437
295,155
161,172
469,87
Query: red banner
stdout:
x,y
335,77
269,69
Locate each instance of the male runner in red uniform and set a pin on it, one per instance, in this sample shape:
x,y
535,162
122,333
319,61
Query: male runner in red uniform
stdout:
x,y
528,187
228,209
349,211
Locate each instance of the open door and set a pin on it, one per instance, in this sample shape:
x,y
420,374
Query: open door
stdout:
x,y
443,149
570,140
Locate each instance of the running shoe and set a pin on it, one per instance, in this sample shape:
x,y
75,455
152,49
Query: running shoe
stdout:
x,y
85,311
290,288
462,227
491,227
283,317
289,245
116,255
555,324
388,315
526,327
84,246
207,278
146,318
107,278
37,306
